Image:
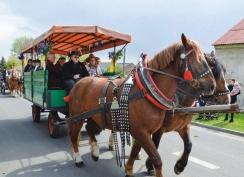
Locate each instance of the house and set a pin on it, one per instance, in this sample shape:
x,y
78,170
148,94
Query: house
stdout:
x,y
229,49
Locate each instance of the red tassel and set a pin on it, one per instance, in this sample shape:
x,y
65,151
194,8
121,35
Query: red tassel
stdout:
x,y
188,75
67,99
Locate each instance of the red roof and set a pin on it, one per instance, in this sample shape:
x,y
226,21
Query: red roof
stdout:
x,y
234,36
83,38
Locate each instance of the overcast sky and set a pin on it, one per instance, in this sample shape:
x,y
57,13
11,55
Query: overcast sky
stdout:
x,y
153,24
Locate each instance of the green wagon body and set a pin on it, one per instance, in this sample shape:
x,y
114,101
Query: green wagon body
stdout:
x,y
36,91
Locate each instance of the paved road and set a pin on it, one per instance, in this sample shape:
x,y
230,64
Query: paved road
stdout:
x,y
26,150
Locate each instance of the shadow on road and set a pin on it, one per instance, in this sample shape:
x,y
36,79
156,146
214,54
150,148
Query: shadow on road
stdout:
x,y
102,168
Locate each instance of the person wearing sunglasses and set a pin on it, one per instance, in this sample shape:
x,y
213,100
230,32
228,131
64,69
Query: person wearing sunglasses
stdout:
x,y
73,70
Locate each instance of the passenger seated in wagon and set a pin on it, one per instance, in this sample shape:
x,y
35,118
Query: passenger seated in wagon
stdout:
x,y
59,64
93,66
38,66
54,80
73,70
29,66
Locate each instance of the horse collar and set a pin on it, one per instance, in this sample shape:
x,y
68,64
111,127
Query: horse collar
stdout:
x,y
151,92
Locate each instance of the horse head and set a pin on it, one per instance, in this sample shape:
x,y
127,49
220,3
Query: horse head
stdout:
x,y
186,61
194,68
222,93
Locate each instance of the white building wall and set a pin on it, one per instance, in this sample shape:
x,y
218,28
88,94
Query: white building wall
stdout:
x,y
232,57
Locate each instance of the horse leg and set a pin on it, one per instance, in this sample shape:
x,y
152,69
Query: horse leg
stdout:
x,y
74,134
182,162
93,129
148,145
136,147
111,141
156,137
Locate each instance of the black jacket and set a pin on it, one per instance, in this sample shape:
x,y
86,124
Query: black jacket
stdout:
x,y
28,68
70,69
53,75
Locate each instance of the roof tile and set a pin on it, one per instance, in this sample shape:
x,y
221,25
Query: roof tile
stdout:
x,y
234,36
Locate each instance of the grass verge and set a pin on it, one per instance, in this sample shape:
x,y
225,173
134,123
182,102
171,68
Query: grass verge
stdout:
x,y
237,125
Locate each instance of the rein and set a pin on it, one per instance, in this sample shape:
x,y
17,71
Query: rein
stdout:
x,y
165,73
220,93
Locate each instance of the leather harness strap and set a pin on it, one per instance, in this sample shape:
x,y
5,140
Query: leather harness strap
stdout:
x,y
103,102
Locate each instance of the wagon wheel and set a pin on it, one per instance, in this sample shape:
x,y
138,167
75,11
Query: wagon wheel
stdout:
x,y
53,129
36,113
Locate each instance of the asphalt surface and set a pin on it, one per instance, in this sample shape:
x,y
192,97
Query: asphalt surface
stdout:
x,y
26,150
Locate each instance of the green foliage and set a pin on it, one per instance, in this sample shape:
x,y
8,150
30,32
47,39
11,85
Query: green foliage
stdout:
x,y
83,57
20,44
13,62
118,55
3,63
237,125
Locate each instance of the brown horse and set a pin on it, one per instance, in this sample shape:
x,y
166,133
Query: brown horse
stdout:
x,y
15,84
181,122
143,122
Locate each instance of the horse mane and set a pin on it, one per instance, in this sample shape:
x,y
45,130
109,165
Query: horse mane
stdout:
x,y
216,65
162,59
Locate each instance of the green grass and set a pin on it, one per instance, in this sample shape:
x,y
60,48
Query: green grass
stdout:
x,y
237,125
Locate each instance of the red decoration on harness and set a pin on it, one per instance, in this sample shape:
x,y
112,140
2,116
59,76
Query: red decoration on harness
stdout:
x,y
188,75
67,99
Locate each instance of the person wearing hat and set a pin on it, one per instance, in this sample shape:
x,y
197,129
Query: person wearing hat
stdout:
x,y
29,66
73,70
93,65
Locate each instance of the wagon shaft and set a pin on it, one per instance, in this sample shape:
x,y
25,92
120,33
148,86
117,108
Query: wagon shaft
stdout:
x,y
209,109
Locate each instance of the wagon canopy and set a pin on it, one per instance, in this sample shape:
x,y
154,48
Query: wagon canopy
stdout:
x,y
84,38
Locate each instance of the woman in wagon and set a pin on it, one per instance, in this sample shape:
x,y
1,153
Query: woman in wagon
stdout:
x,y
93,66
53,75
73,70
59,64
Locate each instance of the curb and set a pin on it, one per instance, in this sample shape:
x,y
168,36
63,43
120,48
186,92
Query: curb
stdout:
x,y
219,129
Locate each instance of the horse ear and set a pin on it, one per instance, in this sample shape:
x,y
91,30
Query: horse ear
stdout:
x,y
184,40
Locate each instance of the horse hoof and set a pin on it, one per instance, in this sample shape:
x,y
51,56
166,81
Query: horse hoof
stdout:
x,y
178,168
95,158
149,167
151,172
79,164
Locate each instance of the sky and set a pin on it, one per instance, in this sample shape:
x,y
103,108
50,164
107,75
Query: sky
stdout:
x,y
153,24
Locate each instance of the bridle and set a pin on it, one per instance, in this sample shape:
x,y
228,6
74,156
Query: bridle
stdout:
x,y
184,66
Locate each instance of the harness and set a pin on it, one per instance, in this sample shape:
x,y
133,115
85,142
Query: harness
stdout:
x,y
148,89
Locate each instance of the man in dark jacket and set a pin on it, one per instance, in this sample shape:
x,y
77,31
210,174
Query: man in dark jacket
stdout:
x,y
29,66
73,70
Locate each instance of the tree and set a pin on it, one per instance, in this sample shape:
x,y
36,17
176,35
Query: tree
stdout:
x,y
3,63
13,62
20,44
